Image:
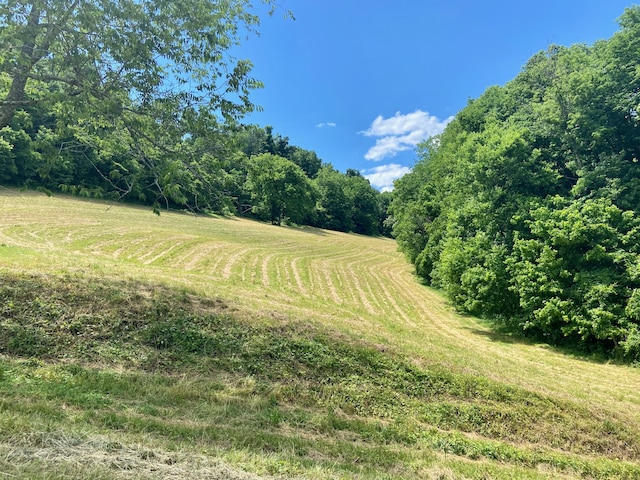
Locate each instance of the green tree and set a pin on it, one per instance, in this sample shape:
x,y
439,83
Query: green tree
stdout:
x,y
347,202
123,84
251,140
385,219
306,159
143,49
254,140
333,206
574,271
279,189
363,202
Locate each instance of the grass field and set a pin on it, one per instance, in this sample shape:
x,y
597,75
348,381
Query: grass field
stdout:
x,y
176,346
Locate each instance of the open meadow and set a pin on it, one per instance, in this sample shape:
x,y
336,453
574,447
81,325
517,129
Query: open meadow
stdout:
x,y
136,346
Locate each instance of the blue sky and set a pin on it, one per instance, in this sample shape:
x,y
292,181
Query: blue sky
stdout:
x,y
360,82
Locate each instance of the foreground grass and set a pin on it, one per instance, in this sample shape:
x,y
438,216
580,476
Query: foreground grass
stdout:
x,y
140,364
175,347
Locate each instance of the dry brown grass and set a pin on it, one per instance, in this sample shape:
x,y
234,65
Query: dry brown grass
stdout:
x,y
76,457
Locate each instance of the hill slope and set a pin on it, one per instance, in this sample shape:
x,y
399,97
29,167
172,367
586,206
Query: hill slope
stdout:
x,y
137,346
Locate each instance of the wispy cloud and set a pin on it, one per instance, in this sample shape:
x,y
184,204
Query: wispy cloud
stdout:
x,y
382,177
401,132
326,124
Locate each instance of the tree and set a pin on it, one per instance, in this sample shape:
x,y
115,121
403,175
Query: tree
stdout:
x,y
143,49
347,202
251,140
254,140
334,207
574,271
279,189
385,220
363,202
126,82
306,159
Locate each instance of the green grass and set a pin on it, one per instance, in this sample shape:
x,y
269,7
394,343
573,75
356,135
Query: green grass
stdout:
x,y
231,349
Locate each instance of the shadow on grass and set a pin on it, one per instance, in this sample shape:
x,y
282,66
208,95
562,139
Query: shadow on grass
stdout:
x,y
500,333
495,335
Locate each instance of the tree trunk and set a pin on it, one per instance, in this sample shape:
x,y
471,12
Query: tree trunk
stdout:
x,y
15,98
27,59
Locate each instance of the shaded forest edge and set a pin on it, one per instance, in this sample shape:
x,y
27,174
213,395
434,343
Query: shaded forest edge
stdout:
x,y
525,209
253,173
125,356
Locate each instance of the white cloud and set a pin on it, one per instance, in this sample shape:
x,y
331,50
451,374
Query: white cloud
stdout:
x,y
401,132
386,147
326,124
382,177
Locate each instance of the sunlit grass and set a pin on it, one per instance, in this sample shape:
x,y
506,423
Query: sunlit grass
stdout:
x,y
213,344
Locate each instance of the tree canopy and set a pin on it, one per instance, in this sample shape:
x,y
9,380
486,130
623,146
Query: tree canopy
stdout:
x,y
279,188
101,96
525,209
103,56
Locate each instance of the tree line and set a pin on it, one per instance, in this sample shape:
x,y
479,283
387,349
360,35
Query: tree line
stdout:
x,y
525,209
142,100
280,182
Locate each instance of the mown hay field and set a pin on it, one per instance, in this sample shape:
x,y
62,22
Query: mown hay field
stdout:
x,y
348,286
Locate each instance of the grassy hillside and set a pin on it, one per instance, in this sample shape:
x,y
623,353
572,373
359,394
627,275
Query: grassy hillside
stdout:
x,y
135,346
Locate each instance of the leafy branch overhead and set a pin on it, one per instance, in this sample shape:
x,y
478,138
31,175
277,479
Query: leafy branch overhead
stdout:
x,y
118,85
127,54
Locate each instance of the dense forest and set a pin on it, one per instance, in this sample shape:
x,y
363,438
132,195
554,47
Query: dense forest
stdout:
x,y
142,101
525,209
